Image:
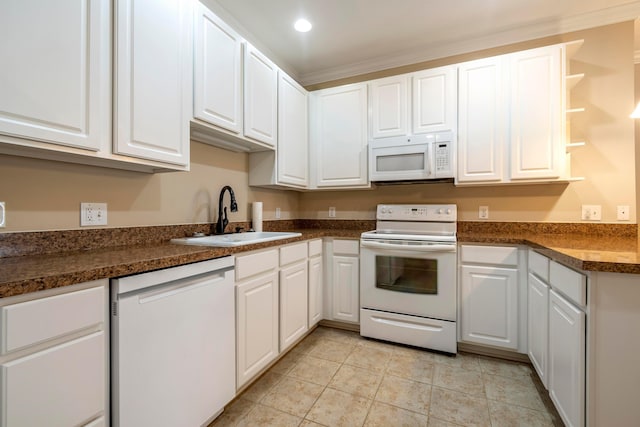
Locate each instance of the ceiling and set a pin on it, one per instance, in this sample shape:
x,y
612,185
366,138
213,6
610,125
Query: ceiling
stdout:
x,y
351,37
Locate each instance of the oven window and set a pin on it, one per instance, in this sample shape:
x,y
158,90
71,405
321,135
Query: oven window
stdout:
x,y
400,162
409,275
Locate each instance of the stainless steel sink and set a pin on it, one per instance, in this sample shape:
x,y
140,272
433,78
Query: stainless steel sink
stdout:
x,y
236,239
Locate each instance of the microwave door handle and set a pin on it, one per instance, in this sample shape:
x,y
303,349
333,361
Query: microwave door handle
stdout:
x,y
415,248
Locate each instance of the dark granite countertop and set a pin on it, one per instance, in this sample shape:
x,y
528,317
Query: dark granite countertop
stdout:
x,y
608,248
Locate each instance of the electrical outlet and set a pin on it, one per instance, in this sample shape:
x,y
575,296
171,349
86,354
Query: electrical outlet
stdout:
x,y
591,213
93,214
623,213
332,212
483,212
278,213
3,222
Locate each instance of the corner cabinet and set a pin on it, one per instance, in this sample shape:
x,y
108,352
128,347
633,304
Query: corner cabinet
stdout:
x,y
153,79
53,357
338,137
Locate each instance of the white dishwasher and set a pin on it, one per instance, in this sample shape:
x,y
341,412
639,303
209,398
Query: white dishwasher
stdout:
x,y
173,345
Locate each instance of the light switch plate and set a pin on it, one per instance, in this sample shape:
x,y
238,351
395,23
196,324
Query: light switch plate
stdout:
x,y
3,222
483,212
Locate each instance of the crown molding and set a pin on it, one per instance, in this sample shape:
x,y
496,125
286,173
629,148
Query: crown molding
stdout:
x,y
612,15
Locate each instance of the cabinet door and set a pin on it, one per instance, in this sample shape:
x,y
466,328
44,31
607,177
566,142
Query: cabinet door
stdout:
x,y
153,81
294,312
538,331
63,385
434,100
315,290
340,136
536,113
293,139
389,105
345,284
217,72
55,74
260,96
489,306
567,359
482,120
257,325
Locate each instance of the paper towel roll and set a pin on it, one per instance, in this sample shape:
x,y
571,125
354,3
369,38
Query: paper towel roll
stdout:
x,y
257,216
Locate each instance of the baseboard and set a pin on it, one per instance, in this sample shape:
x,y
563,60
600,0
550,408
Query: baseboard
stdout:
x,y
493,352
353,327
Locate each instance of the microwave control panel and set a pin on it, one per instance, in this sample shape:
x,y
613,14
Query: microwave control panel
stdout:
x,y
442,158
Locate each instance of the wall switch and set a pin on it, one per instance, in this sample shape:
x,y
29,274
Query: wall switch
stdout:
x,y
3,222
623,213
93,214
591,212
483,212
332,212
278,213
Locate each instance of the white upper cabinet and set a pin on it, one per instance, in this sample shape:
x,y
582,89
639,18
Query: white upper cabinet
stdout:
x,y
56,70
153,79
511,118
536,113
260,97
293,133
389,106
339,137
217,72
482,119
434,100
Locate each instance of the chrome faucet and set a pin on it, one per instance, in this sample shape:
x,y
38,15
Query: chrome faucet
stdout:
x,y
223,221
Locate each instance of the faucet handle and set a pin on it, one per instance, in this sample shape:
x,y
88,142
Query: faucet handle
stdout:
x,y
238,229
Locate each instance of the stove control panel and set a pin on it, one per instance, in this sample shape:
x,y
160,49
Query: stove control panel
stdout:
x,y
425,213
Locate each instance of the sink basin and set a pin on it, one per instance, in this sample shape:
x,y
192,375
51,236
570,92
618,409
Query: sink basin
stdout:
x,y
237,239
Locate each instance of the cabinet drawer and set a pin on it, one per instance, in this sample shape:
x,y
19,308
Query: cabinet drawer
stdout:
x,y
539,265
571,283
346,247
256,263
60,386
315,247
501,255
31,322
293,253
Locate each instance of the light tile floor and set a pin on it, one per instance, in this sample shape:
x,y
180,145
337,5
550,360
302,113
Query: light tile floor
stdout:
x,y
337,378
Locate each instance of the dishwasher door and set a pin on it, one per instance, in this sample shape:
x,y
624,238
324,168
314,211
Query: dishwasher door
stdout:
x,y
173,345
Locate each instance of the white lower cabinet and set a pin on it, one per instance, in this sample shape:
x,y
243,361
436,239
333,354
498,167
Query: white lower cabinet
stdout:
x,y
294,314
489,296
567,359
256,313
489,309
53,357
557,334
315,282
539,327
343,272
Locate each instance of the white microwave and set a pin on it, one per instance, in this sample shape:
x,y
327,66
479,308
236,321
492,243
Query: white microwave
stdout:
x,y
412,158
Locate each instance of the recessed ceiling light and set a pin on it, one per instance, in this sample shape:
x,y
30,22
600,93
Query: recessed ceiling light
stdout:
x,y
302,25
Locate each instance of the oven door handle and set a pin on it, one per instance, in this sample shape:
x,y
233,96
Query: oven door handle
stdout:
x,y
416,248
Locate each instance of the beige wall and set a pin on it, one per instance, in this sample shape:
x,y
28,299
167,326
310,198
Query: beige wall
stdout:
x,y
607,161
43,195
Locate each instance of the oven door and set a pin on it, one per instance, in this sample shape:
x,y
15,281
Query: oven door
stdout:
x,y
409,278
